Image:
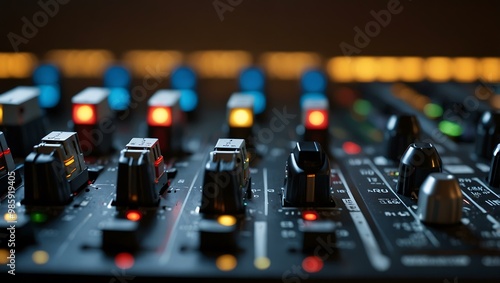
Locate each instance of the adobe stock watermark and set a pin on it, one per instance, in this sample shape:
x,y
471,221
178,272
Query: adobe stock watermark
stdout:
x,y
39,19
362,38
12,220
222,6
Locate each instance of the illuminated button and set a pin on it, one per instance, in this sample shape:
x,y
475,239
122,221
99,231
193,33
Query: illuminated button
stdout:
x,y
183,78
165,120
312,264
226,262
91,105
124,260
117,78
134,215
56,169
315,113
310,215
351,147
313,81
84,114
240,116
40,257
159,116
226,220
252,79
22,118
91,115
189,100
47,78
141,175
46,74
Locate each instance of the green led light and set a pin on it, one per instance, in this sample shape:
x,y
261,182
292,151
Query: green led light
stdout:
x,y
362,107
433,111
451,129
38,217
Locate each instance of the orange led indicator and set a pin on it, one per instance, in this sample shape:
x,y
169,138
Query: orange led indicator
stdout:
x,y
159,116
312,264
124,260
310,215
134,215
84,114
317,119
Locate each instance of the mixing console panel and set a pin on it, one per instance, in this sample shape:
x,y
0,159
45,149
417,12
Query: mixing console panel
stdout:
x,y
279,183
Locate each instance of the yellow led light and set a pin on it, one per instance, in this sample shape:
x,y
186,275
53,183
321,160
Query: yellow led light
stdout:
x,y
262,263
142,61
1,114
411,69
226,262
40,257
438,69
365,69
219,63
69,161
160,115
241,118
339,69
10,217
316,118
388,69
85,113
226,220
289,65
490,69
465,69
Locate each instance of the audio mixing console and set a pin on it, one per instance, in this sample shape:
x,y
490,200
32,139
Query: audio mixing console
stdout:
x,y
357,184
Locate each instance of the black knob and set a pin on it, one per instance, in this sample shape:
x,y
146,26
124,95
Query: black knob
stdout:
x,y
307,180
488,134
494,175
401,131
141,173
55,170
226,178
440,200
418,161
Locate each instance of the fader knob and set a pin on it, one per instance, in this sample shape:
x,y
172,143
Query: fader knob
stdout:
x,y
440,200
494,175
307,181
401,131
141,173
488,134
418,161
226,178
55,170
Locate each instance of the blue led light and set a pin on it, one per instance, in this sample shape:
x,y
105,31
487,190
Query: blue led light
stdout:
x,y
46,74
117,76
189,100
49,97
311,95
313,81
119,98
259,101
252,79
183,78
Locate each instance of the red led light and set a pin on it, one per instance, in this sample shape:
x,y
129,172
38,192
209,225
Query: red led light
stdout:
x,y
134,215
124,260
159,116
159,164
351,147
312,264
316,119
84,114
309,215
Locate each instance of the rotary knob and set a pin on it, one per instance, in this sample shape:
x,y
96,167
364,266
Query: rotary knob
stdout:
x,y
401,131
418,161
440,200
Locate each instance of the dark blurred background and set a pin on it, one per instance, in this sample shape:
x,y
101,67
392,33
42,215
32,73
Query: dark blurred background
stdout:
x,y
424,28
